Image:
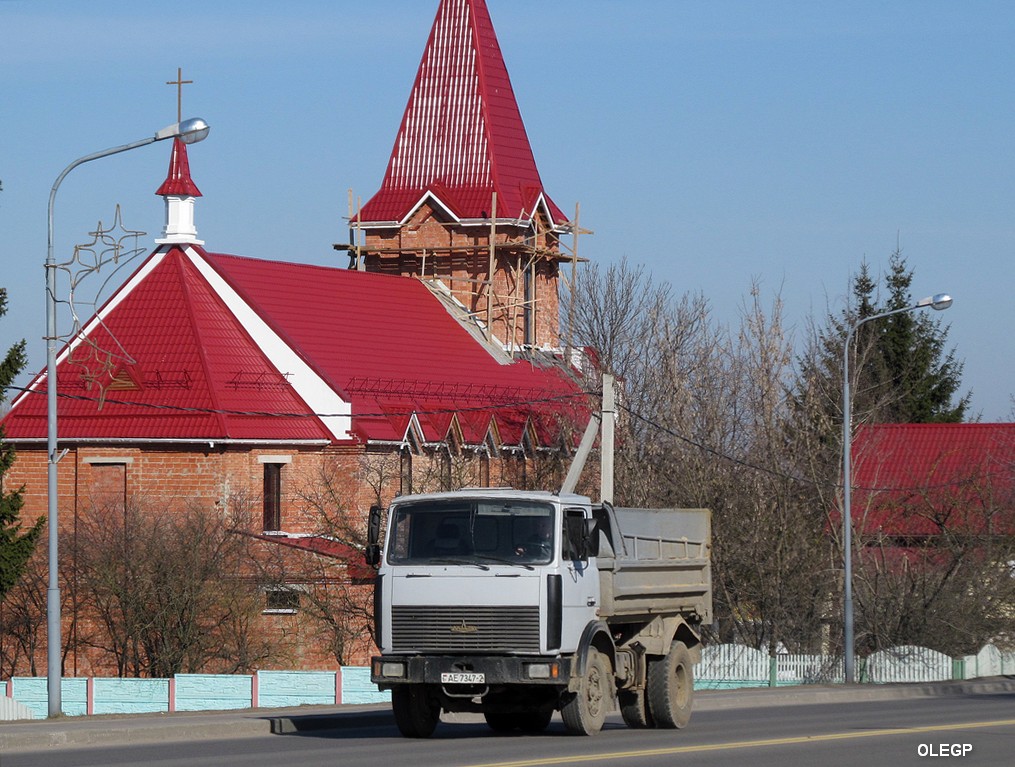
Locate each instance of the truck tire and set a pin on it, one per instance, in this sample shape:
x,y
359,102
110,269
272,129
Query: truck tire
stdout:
x,y
585,712
415,713
671,688
634,709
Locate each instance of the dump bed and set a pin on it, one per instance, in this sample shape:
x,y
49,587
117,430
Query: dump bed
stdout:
x,y
654,562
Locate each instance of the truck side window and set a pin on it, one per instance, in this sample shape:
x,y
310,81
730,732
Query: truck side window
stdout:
x,y
574,546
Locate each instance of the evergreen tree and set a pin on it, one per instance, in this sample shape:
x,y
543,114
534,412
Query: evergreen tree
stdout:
x,y
900,367
918,377
15,546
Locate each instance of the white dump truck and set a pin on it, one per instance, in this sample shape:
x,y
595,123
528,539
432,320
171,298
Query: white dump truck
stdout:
x,y
516,604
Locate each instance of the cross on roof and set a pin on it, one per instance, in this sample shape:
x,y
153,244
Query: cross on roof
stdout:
x,y
179,82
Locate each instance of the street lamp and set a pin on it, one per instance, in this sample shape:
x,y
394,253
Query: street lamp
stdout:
x,y
189,131
938,302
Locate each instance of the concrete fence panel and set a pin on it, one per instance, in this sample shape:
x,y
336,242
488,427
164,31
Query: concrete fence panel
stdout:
x,y
213,692
33,692
129,696
276,689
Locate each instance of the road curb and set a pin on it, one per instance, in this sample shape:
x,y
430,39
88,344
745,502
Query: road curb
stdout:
x,y
113,730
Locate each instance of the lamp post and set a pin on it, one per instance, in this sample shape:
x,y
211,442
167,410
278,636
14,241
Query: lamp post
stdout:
x,y
189,131
939,302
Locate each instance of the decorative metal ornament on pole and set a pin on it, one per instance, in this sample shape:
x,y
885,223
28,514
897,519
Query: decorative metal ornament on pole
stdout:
x,y
189,131
938,302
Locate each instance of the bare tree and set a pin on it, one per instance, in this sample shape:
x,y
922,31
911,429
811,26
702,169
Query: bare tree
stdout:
x,y
23,621
707,422
169,590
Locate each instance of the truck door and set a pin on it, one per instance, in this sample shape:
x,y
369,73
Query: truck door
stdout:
x,y
579,581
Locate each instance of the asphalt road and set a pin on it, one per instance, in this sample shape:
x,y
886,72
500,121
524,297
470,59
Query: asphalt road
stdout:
x,y
776,728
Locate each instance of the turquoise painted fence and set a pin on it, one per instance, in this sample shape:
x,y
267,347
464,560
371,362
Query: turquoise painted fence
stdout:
x,y
203,692
199,692
278,689
129,696
721,667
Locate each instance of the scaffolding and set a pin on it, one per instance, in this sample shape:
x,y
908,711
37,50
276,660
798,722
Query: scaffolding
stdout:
x,y
517,311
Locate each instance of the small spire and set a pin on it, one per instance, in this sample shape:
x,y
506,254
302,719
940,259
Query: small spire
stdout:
x,y
178,181
179,191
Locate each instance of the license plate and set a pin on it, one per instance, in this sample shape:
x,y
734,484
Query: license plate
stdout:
x,y
459,677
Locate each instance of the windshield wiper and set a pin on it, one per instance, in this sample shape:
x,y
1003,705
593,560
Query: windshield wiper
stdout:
x,y
509,562
449,561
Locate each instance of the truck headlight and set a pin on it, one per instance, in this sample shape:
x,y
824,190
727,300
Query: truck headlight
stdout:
x,y
542,670
393,669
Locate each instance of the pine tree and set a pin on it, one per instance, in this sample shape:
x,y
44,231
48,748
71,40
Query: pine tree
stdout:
x,y
919,377
15,546
900,366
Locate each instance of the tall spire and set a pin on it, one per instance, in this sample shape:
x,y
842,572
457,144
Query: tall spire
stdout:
x,y
179,191
462,136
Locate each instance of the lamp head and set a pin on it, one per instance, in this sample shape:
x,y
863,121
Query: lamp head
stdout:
x,y
195,129
938,302
190,131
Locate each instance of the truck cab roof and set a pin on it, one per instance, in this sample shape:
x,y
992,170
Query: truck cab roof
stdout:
x,y
565,499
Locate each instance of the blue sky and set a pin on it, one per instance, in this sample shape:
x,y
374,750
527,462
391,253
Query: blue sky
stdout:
x,y
716,142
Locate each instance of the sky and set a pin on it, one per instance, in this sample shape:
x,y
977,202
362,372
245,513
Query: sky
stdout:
x,y
716,143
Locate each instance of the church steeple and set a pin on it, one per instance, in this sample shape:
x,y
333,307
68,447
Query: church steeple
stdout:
x,y
462,201
179,191
462,136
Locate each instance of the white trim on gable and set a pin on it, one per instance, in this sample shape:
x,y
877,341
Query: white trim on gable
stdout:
x,y
419,204
333,411
413,439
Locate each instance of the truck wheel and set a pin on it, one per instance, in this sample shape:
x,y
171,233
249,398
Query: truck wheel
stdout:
x,y
634,709
415,713
585,712
671,688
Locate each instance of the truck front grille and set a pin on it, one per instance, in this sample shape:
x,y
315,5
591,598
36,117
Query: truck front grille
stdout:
x,y
465,629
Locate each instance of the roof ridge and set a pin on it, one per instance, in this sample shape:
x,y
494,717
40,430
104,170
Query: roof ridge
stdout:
x,y
181,264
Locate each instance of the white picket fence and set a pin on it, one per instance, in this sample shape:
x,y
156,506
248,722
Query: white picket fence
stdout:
x,y
731,665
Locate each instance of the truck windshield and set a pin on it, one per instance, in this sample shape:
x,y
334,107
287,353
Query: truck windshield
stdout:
x,y
477,532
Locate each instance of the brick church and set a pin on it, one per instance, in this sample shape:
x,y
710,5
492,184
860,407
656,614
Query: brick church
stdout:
x,y
300,395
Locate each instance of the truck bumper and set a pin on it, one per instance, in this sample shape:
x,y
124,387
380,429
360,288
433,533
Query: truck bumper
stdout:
x,y
387,671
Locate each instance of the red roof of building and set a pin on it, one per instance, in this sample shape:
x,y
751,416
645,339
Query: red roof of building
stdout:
x,y
462,136
915,480
356,568
213,347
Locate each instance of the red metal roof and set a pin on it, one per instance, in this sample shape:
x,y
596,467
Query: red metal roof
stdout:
x,y
350,556
391,348
168,361
178,181
919,479
178,357
462,136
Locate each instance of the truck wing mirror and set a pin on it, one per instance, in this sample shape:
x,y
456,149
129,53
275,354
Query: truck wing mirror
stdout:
x,y
372,552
